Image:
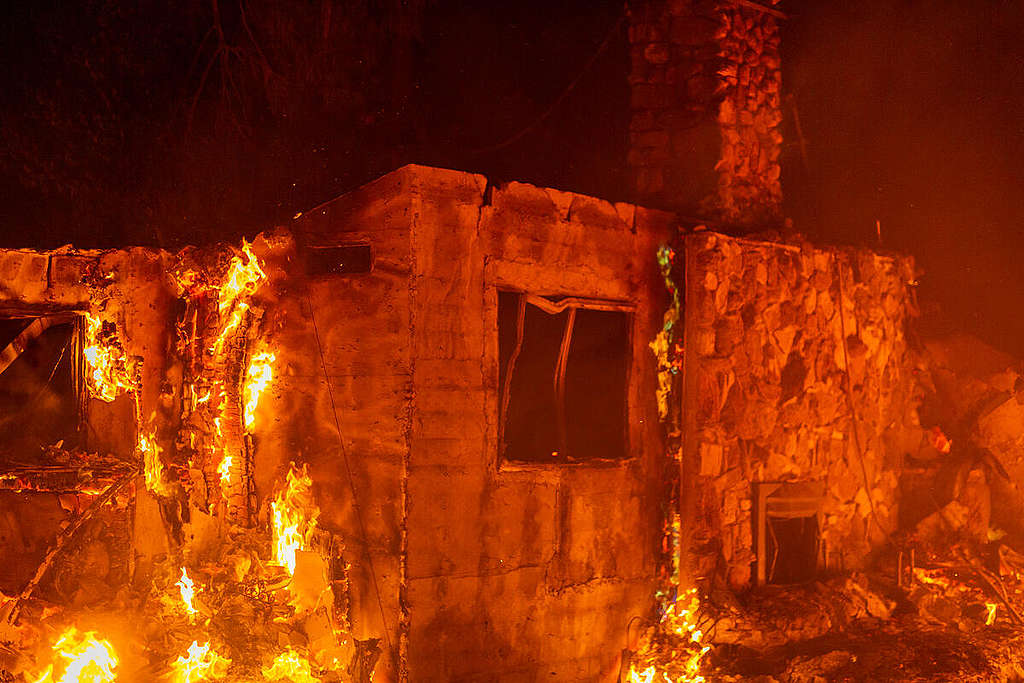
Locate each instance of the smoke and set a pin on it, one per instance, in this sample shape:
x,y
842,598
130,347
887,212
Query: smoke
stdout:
x,y
913,116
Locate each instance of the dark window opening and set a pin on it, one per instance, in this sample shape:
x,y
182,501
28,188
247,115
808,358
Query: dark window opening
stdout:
x,y
563,378
792,549
39,385
347,259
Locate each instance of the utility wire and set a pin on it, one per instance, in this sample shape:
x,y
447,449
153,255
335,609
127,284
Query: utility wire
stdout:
x,y
348,469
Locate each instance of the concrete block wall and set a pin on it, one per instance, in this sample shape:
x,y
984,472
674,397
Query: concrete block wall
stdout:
x,y
485,569
521,572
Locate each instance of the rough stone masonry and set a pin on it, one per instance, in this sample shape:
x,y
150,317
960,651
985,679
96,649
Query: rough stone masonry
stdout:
x,y
706,112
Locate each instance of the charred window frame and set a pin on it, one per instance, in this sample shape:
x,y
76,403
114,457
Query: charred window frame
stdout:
x,y
42,382
564,365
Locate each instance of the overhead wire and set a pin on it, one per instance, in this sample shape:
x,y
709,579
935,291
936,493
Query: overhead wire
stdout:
x,y
348,469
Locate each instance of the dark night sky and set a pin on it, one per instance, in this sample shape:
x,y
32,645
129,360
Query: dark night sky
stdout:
x,y
912,112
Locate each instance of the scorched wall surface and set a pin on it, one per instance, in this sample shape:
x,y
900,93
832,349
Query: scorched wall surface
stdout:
x,y
527,572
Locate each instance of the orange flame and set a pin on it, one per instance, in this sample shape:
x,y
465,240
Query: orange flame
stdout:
x,y
293,517
153,466
202,664
258,376
290,666
87,660
108,373
188,591
680,619
224,469
243,278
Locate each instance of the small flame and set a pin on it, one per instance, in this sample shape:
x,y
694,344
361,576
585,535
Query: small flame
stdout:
x,y
645,676
108,374
224,468
243,278
202,664
290,666
259,375
153,466
188,591
87,660
293,517
990,618
941,442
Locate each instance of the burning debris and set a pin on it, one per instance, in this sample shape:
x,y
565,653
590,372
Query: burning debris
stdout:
x,y
673,650
244,593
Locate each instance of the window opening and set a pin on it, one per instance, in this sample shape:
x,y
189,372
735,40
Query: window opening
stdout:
x,y
563,378
40,384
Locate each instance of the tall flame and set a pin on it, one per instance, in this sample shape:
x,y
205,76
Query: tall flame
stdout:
x,y
243,278
108,372
153,466
290,666
293,517
258,376
87,659
202,664
188,591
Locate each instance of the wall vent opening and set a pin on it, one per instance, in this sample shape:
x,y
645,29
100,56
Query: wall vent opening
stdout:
x,y
787,531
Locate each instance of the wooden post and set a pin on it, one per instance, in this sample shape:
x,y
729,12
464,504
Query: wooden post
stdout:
x,y
688,465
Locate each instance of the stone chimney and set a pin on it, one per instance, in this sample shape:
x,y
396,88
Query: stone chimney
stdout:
x,y
706,109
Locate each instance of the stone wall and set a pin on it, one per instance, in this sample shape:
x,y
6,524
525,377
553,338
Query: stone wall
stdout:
x,y
706,110
776,334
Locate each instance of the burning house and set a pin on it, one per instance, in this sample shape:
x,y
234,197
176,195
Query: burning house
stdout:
x,y
445,429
